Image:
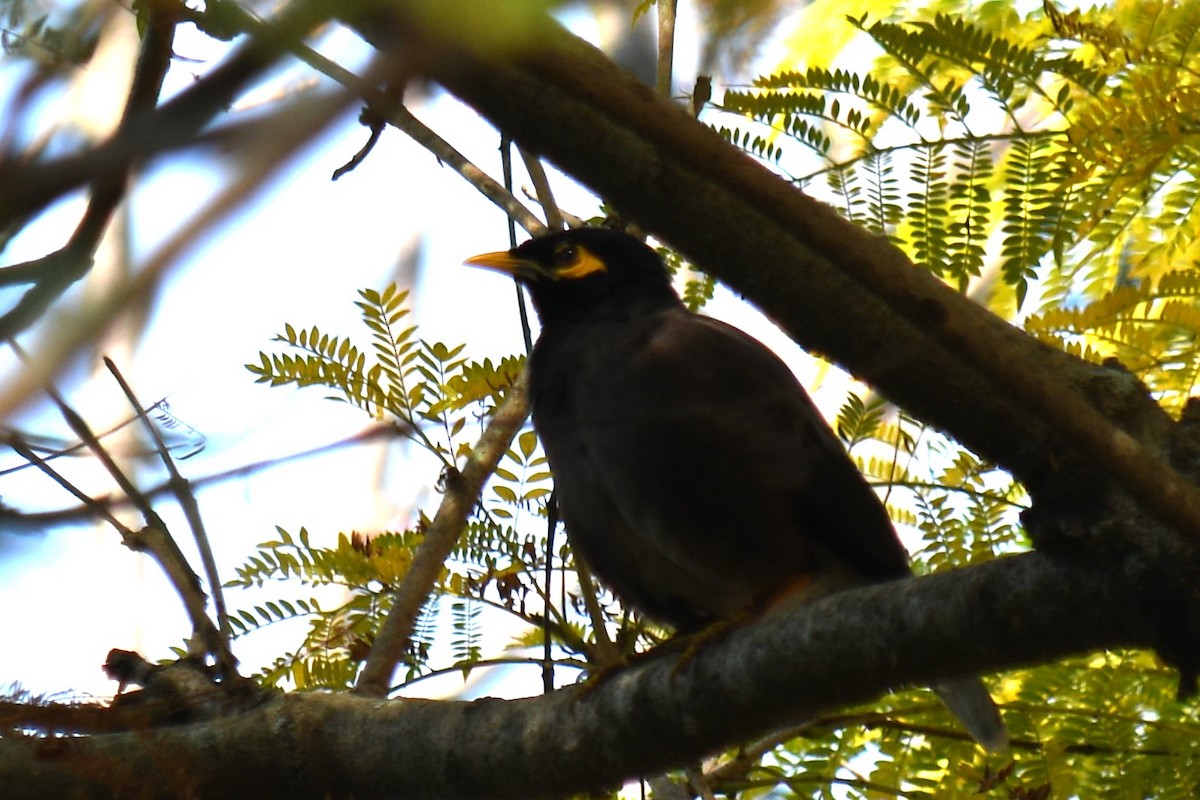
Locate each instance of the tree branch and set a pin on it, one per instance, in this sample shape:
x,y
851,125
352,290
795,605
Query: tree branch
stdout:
x,y
788,666
1028,407
191,511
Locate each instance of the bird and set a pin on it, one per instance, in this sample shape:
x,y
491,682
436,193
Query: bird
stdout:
x,y
693,473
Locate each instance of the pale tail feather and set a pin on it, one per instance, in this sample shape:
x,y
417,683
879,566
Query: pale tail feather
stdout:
x,y
969,700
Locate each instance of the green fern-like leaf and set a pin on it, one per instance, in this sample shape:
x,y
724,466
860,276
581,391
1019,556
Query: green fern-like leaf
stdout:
x,y
246,621
970,220
928,210
1030,211
882,196
465,641
756,145
423,387
1151,327
859,420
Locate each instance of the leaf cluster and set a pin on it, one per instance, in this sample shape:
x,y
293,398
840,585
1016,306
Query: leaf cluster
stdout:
x,y
1150,325
1055,154
424,388
365,570
698,288
993,141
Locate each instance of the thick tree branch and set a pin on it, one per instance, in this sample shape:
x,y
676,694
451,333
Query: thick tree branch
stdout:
x,y
836,289
790,666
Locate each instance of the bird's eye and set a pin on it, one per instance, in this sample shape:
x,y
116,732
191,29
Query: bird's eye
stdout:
x,y
565,255
571,261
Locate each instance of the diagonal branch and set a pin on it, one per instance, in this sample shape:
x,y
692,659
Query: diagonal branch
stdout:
x,y
462,492
834,288
54,273
191,509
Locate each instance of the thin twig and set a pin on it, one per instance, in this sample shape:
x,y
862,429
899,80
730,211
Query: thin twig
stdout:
x,y
191,509
55,448
375,126
548,576
98,508
569,220
403,119
457,669
665,69
97,504
156,540
522,306
541,185
606,649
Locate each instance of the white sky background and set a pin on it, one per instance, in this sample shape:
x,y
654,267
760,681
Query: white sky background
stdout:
x,y
298,254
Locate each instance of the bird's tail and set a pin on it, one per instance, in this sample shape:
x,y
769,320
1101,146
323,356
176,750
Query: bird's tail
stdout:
x,y
969,700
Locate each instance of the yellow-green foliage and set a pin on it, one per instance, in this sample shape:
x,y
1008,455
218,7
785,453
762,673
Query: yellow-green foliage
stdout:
x,y
988,140
1150,325
367,569
430,393
424,388
1048,164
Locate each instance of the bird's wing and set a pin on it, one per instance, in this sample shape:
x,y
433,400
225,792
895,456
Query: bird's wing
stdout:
x,y
720,425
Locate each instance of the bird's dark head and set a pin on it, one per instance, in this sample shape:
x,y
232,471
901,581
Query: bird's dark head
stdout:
x,y
584,271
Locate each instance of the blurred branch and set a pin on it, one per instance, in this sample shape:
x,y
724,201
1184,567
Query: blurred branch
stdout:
x,y
462,493
142,132
267,145
52,275
47,519
541,185
93,506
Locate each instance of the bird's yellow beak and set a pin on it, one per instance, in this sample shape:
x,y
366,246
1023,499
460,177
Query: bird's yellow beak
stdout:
x,y
503,261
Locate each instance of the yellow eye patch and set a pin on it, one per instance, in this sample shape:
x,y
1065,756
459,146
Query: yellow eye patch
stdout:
x,y
578,262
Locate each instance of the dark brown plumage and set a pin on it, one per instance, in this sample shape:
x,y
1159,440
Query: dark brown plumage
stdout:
x,y
693,473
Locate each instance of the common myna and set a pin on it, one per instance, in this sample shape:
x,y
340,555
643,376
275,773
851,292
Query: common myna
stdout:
x,y
693,473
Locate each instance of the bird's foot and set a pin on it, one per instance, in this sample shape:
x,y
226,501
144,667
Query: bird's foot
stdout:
x,y
693,643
